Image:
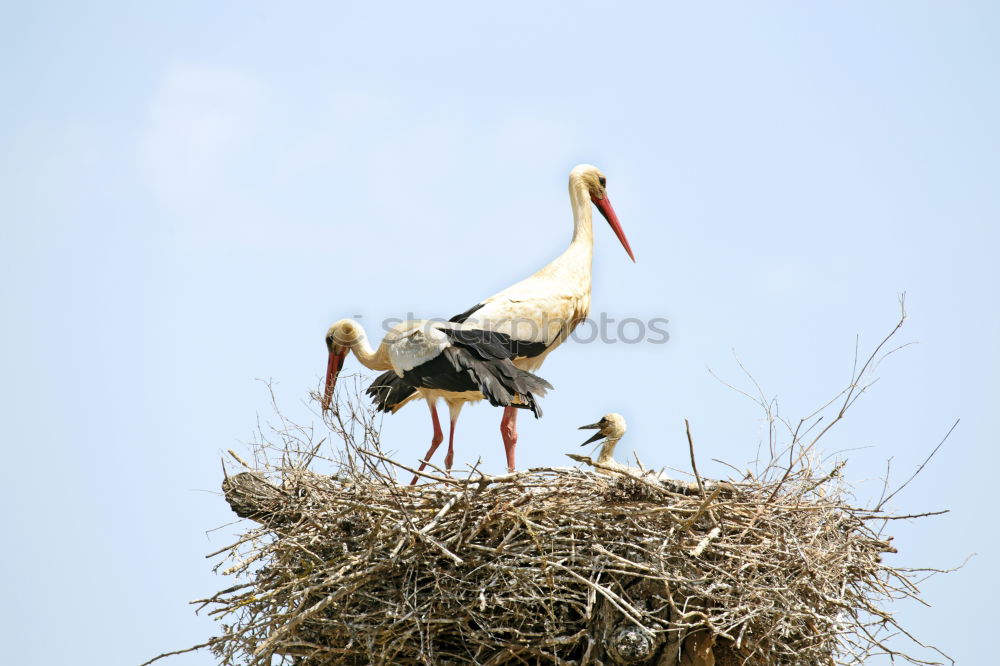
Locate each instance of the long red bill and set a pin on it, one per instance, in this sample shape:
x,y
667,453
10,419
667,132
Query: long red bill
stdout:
x,y
333,366
604,205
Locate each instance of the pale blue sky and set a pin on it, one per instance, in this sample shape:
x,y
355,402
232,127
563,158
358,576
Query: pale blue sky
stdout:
x,y
193,193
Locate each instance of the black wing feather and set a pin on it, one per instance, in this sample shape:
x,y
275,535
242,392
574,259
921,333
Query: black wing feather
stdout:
x,y
492,342
477,360
389,390
460,318
518,348
480,360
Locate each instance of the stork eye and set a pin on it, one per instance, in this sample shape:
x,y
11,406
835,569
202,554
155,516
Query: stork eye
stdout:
x,y
603,181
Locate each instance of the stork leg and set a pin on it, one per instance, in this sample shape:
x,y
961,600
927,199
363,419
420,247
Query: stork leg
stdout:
x,y
508,430
435,440
453,408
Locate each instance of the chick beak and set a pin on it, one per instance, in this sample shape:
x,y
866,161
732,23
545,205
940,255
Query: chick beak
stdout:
x,y
597,435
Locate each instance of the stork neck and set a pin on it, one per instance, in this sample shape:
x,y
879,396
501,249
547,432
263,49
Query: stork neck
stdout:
x,y
608,450
370,358
583,217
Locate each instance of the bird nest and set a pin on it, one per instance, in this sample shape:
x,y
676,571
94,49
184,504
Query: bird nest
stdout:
x,y
552,566
546,566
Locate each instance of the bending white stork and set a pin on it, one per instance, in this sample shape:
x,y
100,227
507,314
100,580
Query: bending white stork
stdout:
x,y
539,312
612,428
434,360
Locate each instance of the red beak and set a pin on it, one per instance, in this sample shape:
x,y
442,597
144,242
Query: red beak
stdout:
x,y
604,205
333,367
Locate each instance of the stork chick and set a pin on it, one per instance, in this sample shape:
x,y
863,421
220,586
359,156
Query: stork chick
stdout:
x,y
612,428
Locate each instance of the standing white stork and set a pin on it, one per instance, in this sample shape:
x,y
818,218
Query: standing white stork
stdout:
x,y
434,360
539,312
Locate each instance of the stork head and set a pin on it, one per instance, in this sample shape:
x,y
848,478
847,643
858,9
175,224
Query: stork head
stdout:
x,y
611,426
589,179
340,338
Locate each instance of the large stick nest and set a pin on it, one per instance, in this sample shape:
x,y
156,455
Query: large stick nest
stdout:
x,y
559,565
551,566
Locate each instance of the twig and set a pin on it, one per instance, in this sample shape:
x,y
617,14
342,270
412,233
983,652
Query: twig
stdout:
x,y
694,465
193,648
239,460
922,465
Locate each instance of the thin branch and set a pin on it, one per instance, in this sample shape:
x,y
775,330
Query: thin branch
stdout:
x,y
694,465
921,467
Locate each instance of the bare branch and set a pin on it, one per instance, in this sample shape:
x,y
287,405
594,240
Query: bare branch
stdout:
x,y
921,467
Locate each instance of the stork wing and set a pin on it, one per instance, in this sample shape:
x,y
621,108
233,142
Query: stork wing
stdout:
x,y
389,392
528,323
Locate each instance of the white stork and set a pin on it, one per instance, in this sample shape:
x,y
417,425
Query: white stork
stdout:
x,y
434,360
539,312
611,427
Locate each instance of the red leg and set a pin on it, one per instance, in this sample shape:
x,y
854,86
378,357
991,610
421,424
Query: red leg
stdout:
x,y
508,430
453,411
450,458
435,441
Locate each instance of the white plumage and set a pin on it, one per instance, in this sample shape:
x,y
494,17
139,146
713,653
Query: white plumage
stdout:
x,y
416,346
